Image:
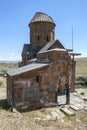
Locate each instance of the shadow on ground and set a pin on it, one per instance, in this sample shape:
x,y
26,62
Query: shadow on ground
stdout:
x,y
4,104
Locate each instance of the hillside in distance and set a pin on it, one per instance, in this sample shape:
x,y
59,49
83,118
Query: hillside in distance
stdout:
x,y
7,66
81,67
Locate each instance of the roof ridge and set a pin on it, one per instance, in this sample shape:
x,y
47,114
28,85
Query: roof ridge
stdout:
x,y
48,45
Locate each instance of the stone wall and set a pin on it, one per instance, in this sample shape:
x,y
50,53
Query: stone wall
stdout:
x,y
9,90
38,88
32,90
41,33
59,68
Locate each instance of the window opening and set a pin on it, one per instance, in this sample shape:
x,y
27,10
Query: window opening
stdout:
x,y
38,38
39,79
47,38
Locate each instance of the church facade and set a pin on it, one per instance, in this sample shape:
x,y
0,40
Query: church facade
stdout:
x,y
46,68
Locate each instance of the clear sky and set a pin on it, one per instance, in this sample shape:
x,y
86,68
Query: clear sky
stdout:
x,y
16,14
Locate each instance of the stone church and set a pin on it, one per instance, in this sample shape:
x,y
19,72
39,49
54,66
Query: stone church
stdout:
x,y
47,68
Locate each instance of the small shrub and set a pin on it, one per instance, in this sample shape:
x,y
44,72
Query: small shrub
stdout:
x,y
80,86
43,110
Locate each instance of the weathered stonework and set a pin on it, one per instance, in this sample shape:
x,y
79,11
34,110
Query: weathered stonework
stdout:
x,y
59,71
31,93
41,33
46,69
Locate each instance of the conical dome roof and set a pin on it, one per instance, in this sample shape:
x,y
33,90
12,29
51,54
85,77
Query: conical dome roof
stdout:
x,y
41,17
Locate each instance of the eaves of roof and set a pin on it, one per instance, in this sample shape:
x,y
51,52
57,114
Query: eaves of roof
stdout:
x,y
26,68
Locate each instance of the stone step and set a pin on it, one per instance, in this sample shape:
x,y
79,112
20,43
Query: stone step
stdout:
x,y
67,112
85,107
79,106
75,108
60,113
57,116
54,114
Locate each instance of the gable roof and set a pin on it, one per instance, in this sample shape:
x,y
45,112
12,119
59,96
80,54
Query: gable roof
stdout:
x,y
50,44
26,68
28,48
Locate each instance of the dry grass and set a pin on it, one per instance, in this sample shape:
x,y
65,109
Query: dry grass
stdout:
x,y
42,113
81,66
7,66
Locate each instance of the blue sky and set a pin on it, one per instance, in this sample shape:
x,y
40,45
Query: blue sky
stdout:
x,y
16,14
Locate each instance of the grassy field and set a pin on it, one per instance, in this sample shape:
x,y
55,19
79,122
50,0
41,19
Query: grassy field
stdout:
x,y
7,66
81,67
